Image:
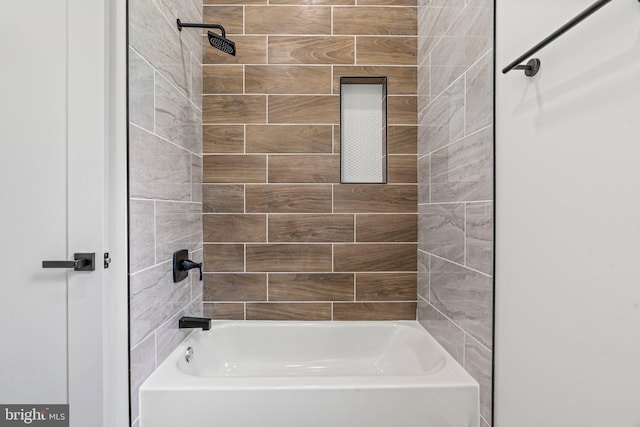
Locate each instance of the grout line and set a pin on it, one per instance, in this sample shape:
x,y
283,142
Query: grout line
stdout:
x,y
332,19
430,183
310,302
310,184
289,273
429,278
464,349
464,228
154,102
332,199
464,106
325,65
447,203
456,324
456,141
332,88
155,348
433,98
430,77
155,234
154,332
453,21
138,53
459,265
327,35
355,286
420,297
150,267
139,343
292,154
244,256
363,244
164,139
275,124
141,199
190,82
324,6
315,213
355,51
478,342
321,94
355,228
333,138
167,201
333,270
186,97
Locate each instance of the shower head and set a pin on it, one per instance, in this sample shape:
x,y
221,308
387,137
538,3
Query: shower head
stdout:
x,y
222,43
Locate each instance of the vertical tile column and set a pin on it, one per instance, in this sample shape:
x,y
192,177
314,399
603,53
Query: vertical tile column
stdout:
x,y
165,178
455,176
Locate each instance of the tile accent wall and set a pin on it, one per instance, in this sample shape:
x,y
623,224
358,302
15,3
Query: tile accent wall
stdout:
x,y
282,238
165,178
455,175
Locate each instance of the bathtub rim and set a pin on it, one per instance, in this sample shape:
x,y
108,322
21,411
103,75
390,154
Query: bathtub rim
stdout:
x,y
168,376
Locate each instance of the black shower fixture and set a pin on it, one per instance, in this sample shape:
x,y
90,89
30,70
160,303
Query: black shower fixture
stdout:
x,y
220,42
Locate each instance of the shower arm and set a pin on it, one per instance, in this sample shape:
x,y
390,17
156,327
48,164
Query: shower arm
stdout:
x,y
189,25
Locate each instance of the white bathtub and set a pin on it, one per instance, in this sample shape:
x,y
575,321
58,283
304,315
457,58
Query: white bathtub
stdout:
x,y
324,374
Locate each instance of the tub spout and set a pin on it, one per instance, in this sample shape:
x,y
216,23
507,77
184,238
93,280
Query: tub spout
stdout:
x,y
194,322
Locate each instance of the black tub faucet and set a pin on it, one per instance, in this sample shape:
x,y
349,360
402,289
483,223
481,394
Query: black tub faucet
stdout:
x,y
186,322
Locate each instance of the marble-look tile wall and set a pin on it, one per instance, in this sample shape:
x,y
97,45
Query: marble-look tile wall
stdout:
x,y
455,179
165,178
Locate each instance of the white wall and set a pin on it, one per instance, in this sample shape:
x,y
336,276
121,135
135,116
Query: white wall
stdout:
x,y
568,218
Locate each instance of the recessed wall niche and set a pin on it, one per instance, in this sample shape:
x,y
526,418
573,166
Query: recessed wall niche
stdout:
x,y
363,130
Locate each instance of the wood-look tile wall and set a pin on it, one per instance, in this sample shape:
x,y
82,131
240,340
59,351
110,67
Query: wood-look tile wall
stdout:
x,y
283,239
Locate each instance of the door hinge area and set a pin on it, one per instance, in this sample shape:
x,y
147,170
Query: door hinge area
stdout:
x,y
107,260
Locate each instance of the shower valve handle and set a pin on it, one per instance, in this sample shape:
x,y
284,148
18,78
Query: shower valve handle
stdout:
x,y
187,264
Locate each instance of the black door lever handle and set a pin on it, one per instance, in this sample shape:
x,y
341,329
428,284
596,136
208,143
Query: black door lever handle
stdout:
x,y
81,262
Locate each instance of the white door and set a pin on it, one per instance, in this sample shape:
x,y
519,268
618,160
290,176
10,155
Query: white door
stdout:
x,y
52,133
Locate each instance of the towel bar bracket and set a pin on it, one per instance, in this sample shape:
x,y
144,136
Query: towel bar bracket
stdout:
x,y
531,69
